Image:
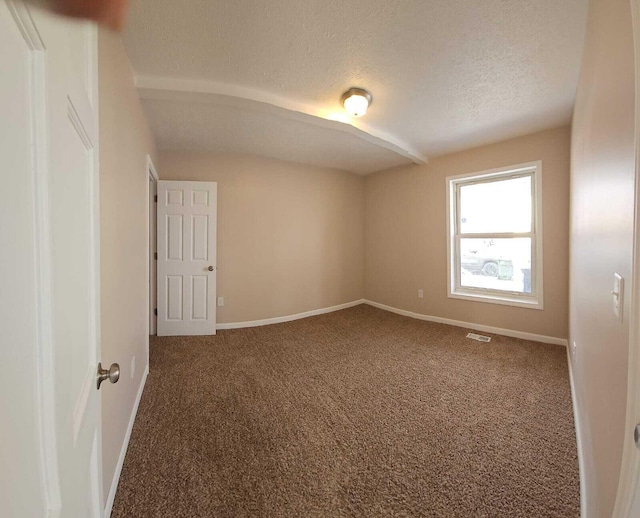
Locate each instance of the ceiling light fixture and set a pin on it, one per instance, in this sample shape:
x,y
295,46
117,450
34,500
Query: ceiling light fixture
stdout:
x,y
356,101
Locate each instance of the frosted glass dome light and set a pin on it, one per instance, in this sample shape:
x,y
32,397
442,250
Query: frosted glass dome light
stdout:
x,y
356,101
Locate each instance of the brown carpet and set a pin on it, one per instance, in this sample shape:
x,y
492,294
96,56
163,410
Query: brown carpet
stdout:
x,y
355,413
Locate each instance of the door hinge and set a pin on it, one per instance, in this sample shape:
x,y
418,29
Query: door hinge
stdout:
x,y
155,255
155,311
155,198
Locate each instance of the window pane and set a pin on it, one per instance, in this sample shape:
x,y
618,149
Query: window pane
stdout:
x,y
496,264
492,207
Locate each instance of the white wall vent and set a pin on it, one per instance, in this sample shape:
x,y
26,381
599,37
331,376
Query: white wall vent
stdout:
x,y
480,338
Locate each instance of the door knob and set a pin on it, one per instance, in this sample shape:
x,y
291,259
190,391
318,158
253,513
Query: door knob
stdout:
x,y
113,374
211,268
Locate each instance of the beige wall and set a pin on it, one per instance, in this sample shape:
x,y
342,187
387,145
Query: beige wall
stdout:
x,y
290,236
125,141
406,235
602,216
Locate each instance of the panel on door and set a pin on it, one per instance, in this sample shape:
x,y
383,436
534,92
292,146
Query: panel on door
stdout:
x,y
73,193
186,258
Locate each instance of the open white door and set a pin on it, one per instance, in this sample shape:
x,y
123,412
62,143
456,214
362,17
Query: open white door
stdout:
x,y
49,313
186,258
628,497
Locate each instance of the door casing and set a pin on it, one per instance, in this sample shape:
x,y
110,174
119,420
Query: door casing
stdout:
x,y
152,191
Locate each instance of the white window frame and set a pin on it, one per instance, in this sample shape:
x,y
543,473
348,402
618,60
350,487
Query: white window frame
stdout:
x,y
455,290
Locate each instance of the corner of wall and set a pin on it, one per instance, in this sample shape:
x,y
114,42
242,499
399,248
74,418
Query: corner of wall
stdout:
x,y
123,221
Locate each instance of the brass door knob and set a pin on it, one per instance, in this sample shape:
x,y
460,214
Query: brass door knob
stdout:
x,y
113,374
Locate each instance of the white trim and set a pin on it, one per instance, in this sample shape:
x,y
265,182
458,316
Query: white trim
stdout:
x,y
579,437
454,288
470,325
498,171
152,175
628,495
466,325
289,318
125,444
152,169
226,94
505,300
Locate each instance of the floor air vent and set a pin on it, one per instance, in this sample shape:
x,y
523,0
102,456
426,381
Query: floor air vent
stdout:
x,y
480,338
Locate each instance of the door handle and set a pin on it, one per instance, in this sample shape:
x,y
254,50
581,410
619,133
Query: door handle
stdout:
x,y
113,374
211,268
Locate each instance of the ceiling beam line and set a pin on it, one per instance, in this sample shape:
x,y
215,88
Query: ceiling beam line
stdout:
x,y
225,94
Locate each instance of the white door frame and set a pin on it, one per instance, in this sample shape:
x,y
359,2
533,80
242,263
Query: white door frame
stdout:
x,y
152,190
628,496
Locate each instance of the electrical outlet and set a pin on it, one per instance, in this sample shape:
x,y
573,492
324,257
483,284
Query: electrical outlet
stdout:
x,y
220,301
420,294
133,367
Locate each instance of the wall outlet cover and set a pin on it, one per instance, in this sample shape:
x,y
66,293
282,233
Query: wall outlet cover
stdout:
x,y
220,301
420,294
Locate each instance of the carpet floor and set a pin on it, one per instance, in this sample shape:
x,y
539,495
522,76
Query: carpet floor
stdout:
x,y
361,413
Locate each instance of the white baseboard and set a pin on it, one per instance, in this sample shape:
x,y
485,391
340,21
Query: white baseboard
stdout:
x,y
289,318
468,325
419,316
125,444
579,438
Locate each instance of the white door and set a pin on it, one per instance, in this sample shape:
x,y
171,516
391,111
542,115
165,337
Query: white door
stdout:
x,y
628,498
49,280
186,258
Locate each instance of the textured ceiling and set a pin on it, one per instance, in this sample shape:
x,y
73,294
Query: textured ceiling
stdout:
x,y
227,129
445,74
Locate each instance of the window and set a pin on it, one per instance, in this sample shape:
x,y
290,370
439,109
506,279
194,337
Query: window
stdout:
x,y
495,236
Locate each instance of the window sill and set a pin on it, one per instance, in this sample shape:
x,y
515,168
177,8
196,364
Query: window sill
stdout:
x,y
494,298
